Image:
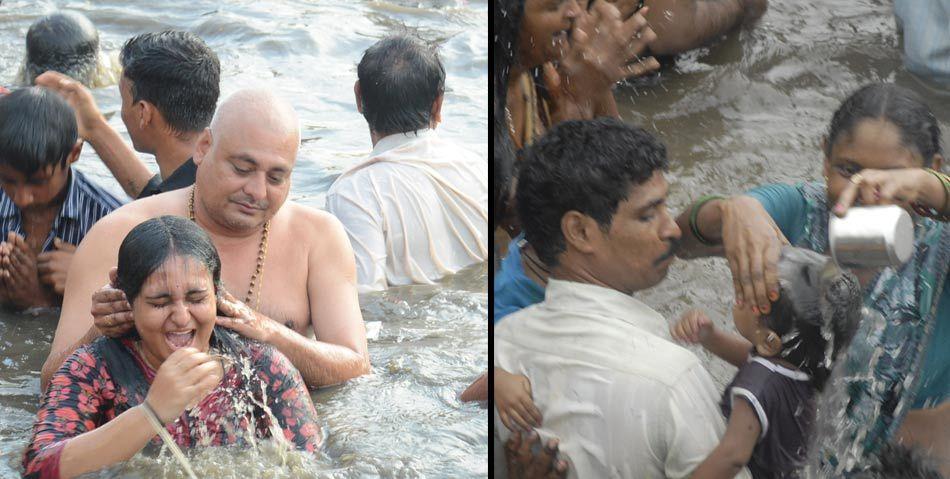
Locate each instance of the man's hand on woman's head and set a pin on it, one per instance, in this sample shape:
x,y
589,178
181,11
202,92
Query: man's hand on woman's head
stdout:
x,y
111,311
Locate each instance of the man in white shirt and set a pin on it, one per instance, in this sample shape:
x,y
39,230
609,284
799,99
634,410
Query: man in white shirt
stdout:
x,y
417,208
624,401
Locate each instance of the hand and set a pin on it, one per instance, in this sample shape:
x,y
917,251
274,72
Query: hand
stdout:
x,y
900,187
752,243
19,276
52,266
477,391
233,314
513,401
693,327
604,49
88,116
182,381
523,464
111,311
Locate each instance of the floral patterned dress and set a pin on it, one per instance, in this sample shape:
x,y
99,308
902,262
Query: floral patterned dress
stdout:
x,y
261,392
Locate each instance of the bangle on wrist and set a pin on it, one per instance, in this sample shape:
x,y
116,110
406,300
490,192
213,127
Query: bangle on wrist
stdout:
x,y
694,215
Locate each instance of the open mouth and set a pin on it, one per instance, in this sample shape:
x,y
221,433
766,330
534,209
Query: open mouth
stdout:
x,y
560,36
180,339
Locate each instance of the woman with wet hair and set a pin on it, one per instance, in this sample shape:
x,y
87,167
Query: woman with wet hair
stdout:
x,y
882,147
206,385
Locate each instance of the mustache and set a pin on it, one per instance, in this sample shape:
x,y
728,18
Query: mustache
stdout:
x,y
247,200
674,248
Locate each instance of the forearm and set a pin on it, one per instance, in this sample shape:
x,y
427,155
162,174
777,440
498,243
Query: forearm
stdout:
x,y
124,164
932,192
682,25
56,358
720,464
126,435
709,224
729,347
320,363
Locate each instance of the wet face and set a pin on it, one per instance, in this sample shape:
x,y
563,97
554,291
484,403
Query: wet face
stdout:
x,y
175,308
247,175
131,116
873,143
37,191
637,250
545,27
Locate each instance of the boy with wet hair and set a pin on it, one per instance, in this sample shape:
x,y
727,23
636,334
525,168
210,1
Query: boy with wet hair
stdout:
x,y
784,360
46,207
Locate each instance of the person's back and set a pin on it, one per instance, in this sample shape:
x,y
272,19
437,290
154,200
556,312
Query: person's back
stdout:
x,y
622,398
416,209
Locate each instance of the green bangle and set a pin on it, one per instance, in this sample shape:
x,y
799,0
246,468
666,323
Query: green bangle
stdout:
x,y
694,214
943,213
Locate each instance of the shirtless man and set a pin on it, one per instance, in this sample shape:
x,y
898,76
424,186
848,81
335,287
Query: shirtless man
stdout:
x,y
308,277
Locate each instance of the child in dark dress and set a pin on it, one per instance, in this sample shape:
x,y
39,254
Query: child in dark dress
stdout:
x,y
784,358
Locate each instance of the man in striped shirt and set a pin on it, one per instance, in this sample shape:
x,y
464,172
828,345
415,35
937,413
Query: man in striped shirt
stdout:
x,y
46,207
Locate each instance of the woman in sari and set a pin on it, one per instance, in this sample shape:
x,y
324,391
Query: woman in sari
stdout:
x,y
882,147
203,383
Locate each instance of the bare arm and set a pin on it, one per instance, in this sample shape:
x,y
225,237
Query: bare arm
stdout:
x,y
736,446
682,25
126,435
124,164
729,347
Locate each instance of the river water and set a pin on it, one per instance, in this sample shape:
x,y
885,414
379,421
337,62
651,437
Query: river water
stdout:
x,y
403,420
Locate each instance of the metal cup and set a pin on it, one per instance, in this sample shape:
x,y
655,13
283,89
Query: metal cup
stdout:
x,y
871,236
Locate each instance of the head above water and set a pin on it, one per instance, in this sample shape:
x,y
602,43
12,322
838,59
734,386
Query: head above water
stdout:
x,y
880,126
591,197
65,42
38,142
543,28
245,160
170,272
400,87
814,318
170,80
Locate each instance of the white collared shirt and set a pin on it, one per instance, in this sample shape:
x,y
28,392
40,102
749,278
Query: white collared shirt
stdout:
x,y
623,399
415,210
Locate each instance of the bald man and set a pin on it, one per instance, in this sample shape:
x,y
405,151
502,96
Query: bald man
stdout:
x,y
291,265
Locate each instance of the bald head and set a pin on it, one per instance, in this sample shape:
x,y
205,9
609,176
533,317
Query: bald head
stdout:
x,y
258,110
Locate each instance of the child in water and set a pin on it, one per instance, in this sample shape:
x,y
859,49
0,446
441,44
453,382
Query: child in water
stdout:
x,y
784,359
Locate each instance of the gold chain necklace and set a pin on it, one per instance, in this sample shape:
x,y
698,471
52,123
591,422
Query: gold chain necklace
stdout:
x,y
257,279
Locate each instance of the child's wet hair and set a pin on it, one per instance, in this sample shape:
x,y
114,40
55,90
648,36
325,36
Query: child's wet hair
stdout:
x,y
906,110
817,312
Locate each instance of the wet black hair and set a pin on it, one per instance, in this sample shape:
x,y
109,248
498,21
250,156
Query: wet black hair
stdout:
x,y
65,42
901,107
587,166
817,312
506,22
400,78
176,72
37,130
150,244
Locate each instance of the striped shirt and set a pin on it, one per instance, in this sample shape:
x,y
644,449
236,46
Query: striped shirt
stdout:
x,y
86,202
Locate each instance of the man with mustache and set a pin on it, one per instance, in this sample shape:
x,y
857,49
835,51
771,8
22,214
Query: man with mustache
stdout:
x,y
305,279
621,397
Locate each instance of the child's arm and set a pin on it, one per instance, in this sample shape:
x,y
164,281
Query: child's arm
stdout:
x,y
735,449
513,401
695,327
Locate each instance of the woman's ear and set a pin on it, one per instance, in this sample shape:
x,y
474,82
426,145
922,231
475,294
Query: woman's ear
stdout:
x,y
768,344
